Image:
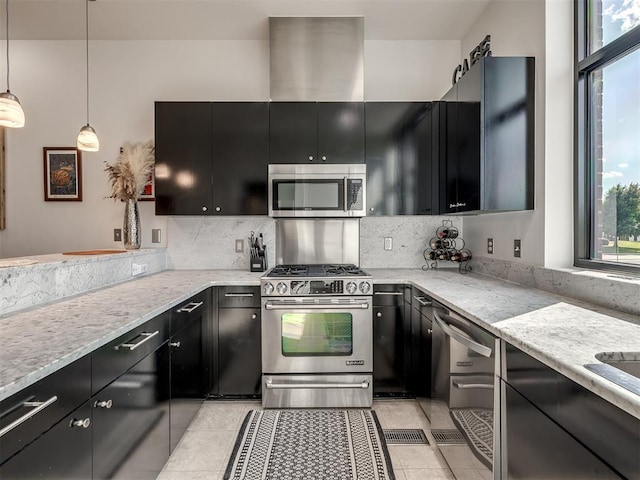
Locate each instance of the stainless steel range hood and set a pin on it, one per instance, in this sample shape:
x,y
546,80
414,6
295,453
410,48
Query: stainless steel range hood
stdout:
x,y
316,58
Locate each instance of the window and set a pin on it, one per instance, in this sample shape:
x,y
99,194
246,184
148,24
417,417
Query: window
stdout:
x,y
608,134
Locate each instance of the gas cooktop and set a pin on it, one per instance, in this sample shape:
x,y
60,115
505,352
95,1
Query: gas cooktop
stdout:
x,y
324,279
322,270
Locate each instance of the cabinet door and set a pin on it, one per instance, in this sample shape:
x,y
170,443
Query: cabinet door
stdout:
x,y
537,448
239,351
341,132
187,373
468,137
183,158
240,155
389,350
391,157
293,132
449,174
421,353
62,452
131,421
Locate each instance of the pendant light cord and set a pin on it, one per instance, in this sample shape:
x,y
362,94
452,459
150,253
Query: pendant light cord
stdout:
x,y
86,10
7,30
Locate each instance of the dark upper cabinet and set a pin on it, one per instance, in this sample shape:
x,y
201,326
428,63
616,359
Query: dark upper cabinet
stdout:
x,y
240,153
211,158
403,157
184,168
489,140
309,132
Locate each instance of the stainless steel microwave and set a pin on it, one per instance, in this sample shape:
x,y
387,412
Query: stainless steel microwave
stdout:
x,y
318,190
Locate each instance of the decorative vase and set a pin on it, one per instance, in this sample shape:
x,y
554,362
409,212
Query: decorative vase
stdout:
x,y
131,224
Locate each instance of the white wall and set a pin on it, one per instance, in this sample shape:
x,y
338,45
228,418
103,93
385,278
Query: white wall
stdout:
x,y
126,78
542,29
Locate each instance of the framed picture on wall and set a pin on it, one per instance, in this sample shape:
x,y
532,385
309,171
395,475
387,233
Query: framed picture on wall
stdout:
x,y
149,192
62,174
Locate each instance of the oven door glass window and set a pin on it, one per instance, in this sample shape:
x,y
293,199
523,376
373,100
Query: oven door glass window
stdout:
x,y
308,194
317,334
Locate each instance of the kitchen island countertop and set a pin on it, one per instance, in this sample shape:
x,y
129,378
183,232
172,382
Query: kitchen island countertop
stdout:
x,y
561,332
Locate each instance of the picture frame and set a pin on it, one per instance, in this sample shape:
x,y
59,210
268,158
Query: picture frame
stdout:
x,y
62,174
149,192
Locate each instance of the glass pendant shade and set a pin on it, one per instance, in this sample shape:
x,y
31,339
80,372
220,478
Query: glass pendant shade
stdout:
x,y
88,140
11,113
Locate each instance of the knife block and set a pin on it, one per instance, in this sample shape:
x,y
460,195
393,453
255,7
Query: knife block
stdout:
x,y
258,263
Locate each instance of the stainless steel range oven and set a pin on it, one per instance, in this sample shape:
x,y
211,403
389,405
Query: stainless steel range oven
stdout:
x,y
317,337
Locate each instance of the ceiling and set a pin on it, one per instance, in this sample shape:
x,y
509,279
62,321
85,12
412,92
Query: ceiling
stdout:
x,y
233,19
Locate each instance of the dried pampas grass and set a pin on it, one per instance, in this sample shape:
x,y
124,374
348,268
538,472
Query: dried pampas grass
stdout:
x,y
130,173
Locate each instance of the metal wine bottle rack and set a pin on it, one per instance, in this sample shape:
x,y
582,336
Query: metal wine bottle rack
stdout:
x,y
447,246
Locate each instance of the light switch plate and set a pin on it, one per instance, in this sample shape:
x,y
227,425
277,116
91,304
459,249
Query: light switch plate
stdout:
x,y
490,246
239,245
517,248
156,235
388,243
117,234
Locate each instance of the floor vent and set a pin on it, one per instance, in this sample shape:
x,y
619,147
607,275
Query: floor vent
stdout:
x,y
405,436
448,437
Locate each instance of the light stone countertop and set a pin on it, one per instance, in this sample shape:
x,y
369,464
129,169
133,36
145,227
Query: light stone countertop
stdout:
x,y
563,333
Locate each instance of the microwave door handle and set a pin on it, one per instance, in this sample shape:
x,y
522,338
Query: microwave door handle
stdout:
x,y
346,194
470,344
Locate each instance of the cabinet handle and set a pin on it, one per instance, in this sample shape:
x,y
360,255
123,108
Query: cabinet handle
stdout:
x,y
218,209
103,403
311,158
174,344
80,423
39,406
423,302
133,346
238,294
464,386
189,307
388,293
429,331
254,316
204,209
371,209
324,158
379,314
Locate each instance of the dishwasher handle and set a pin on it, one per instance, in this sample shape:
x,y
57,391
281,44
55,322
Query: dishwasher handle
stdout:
x,y
467,342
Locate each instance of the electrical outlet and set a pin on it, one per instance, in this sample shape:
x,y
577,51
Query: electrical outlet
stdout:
x,y
117,234
239,245
388,243
517,248
490,246
156,235
139,269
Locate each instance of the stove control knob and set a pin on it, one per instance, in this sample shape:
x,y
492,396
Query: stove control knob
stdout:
x,y
352,288
267,289
281,288
365,287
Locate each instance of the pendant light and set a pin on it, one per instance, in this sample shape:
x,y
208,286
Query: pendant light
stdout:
x,y
87,138
11,114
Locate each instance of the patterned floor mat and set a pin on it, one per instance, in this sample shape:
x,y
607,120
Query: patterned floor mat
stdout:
x,y
310,444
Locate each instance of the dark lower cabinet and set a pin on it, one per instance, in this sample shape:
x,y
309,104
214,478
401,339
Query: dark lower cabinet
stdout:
x,y
421,333
131,421
64,452
239,352
391,341
187,377
539,449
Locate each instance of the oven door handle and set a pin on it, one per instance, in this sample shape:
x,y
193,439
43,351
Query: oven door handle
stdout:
x,y
467,342
328,306
274,386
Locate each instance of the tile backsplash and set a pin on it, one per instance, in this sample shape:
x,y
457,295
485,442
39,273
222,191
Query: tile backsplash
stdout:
x,y
209,242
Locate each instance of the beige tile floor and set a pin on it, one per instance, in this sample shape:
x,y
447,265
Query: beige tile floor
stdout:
x,y
205,449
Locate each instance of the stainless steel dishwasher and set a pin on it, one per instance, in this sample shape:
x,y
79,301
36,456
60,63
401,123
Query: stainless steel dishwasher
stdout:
x,y
465,410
